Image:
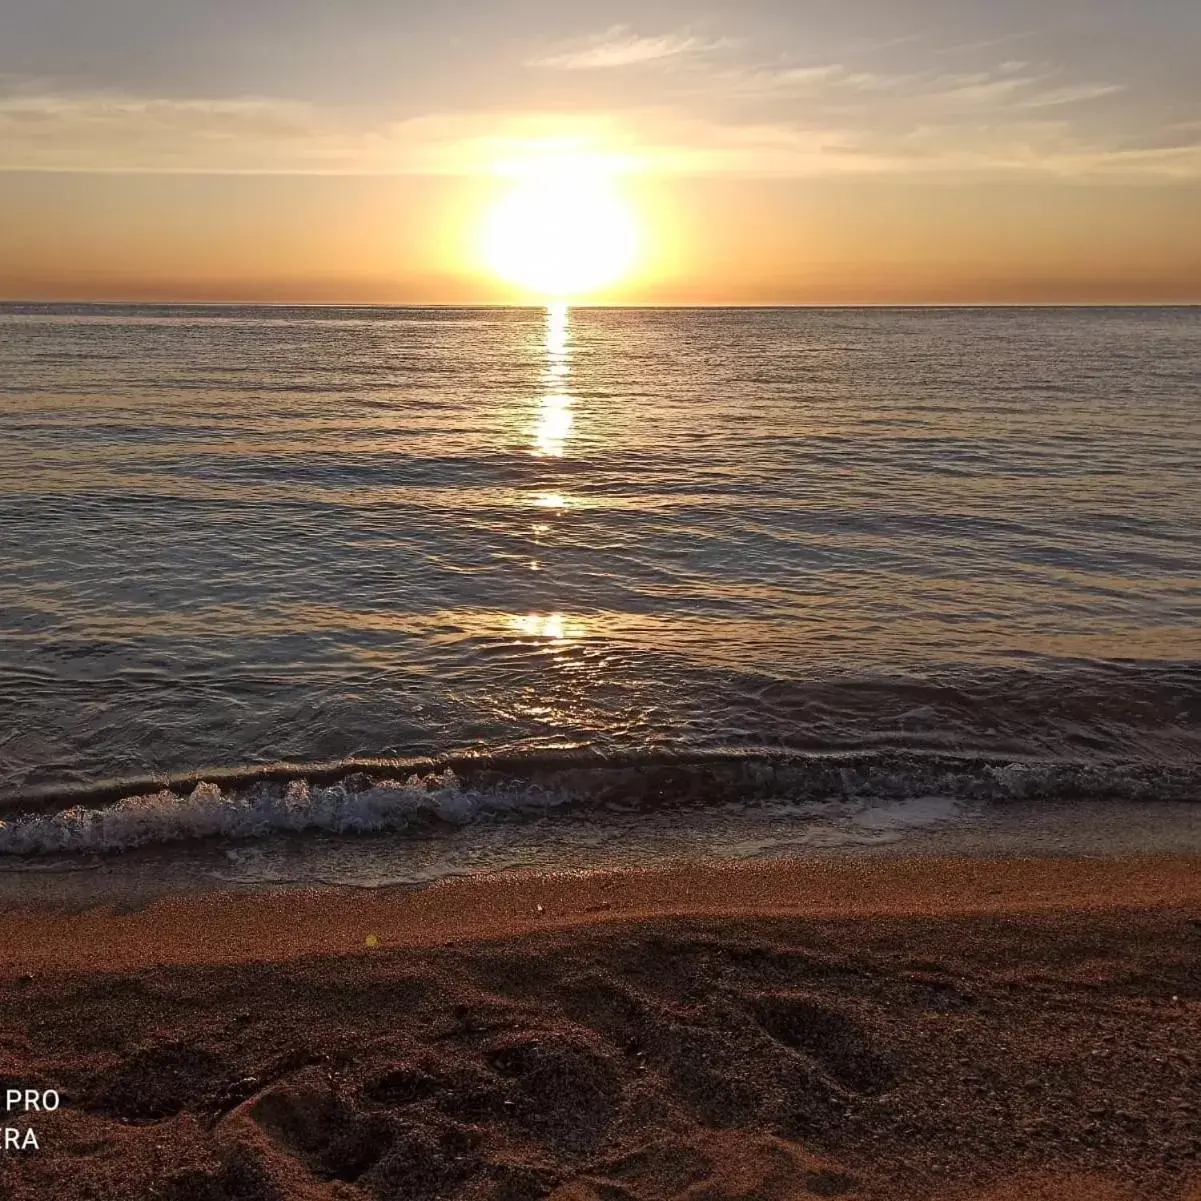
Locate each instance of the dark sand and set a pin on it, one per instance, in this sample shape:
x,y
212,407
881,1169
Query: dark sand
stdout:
x,y
999,1030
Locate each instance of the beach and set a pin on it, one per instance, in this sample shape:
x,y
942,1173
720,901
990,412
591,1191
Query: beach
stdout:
x,y
600,605
887,1029
594,754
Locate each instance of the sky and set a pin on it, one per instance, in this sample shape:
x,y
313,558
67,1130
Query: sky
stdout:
x,y
772,151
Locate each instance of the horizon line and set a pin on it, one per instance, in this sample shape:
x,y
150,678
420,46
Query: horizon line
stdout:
x,y
534,305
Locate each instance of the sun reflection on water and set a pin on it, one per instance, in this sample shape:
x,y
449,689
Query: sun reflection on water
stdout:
x,y
555,420
553,428
536,625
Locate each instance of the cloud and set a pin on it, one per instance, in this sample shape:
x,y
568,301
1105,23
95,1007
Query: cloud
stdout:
x,y
46,130
1071,94
914,126
1011,85
95,131
621,47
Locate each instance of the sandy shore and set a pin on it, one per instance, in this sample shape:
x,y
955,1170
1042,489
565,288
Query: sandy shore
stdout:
x,y
857,1029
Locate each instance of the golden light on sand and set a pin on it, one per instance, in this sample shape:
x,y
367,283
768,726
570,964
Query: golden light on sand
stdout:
x,y
562,230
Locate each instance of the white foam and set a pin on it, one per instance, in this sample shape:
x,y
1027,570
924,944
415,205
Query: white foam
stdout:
x,y
208,812
868,797
909,814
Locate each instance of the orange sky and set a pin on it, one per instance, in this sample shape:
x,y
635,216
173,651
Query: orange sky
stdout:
x,y
399,240
915,152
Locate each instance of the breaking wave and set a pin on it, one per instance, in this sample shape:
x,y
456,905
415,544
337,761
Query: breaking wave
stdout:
x,y
357,797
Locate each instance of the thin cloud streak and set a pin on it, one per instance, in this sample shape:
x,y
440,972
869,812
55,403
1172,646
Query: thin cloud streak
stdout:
x,y
1014,85
945,128
621,47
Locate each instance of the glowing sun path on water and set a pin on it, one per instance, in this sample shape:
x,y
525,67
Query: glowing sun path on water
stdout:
x,y
555,421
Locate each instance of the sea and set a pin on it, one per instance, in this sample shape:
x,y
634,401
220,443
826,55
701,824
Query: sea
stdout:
x,y
381,595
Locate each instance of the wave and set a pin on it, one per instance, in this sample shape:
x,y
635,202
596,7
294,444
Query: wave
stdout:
x,y
368,796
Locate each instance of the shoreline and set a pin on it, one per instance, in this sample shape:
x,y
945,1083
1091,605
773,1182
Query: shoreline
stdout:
x,y
251,926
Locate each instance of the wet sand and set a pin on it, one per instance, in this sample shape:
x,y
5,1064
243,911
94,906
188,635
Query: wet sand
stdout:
x,y
862,1029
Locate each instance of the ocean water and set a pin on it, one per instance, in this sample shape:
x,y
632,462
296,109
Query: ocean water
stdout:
x,y
288,570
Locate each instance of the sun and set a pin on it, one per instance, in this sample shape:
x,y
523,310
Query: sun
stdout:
x,y
562,230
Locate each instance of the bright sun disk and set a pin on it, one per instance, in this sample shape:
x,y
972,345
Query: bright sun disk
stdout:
x,y
563,230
